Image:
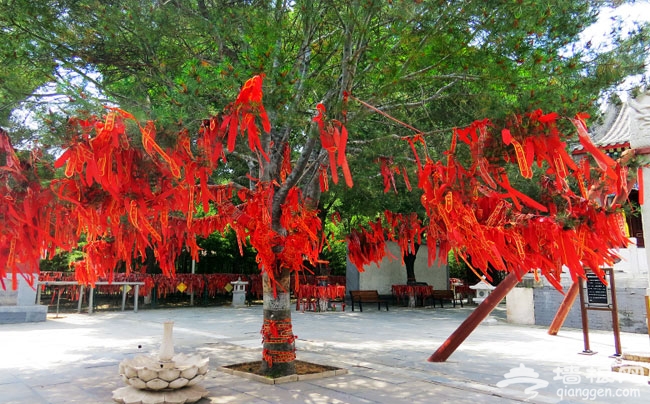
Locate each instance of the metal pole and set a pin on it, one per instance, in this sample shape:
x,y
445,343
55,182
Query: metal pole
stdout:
x,y
563,310
135,298
585,320
58,302
39,287
91,300
81,297
123,296
192,293
617,331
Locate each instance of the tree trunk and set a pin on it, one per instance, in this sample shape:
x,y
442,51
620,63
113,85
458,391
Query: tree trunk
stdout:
x,y
409,262
279,351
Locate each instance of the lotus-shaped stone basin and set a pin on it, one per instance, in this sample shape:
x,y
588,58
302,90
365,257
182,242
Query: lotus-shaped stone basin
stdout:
x,y
149,373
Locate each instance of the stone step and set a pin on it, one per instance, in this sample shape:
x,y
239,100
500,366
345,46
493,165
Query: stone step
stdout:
x,y
632,367
636,356
22,314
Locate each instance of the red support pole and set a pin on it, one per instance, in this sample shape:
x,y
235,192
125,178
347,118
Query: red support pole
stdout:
x,y
473,320
563,310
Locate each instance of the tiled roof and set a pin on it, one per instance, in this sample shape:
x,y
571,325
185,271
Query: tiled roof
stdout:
x,y
614,132
618,133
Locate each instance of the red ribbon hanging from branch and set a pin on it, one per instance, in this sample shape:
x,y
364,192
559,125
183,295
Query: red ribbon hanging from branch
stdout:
x,y
334,138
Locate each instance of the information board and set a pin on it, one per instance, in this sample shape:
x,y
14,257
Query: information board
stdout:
x,y
596,290
598,298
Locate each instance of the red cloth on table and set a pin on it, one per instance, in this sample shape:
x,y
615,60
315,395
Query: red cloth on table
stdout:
x,y
404,291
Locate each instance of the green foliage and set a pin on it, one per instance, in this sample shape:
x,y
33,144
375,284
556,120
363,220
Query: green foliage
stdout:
x,y
58,263
457,267
433,64
221,254
335,251
61,262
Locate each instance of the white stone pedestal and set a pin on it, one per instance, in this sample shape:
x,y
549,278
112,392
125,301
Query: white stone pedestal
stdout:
x,y
165,379
131,395
520,307
18,306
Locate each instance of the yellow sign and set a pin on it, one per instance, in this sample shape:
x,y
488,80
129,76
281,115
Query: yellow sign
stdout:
x,y
228,287
181,287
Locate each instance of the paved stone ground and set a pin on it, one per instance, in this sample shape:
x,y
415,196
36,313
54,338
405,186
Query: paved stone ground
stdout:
x,y
74,359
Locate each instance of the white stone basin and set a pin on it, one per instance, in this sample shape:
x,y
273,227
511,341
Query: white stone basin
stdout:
x,y
148,373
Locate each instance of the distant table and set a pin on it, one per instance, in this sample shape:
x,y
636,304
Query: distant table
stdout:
x,y
420,292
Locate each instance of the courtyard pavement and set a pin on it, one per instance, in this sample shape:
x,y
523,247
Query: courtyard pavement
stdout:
x,y
74,358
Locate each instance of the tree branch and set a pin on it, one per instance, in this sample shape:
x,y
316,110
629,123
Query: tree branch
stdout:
x,y
293,178
421,102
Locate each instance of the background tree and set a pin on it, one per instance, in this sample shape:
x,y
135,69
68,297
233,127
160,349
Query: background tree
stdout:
x,y
434,64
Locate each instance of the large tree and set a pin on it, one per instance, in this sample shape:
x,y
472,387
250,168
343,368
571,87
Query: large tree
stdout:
x,y
433,64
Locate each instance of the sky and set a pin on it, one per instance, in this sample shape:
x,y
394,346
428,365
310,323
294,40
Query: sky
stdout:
x,y
630,13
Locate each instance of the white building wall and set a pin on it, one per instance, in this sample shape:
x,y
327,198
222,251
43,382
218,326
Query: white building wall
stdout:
x,y
393,272
633,260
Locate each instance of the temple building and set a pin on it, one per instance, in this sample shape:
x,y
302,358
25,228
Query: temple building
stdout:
x,y
624,126
613,137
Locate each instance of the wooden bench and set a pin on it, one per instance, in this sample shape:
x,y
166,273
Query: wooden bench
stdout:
x,y
442,295
367,296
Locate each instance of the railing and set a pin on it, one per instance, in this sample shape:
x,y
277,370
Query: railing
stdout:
x,y
158,286
92,293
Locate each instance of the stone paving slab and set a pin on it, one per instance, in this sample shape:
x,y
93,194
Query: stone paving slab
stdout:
x,y
74,358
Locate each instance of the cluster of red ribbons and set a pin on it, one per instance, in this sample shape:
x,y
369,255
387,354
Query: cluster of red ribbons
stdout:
x,y
26,212
126,200
278,332
211,284
388,170
321,292
404,291
367,245
334,139
477,212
